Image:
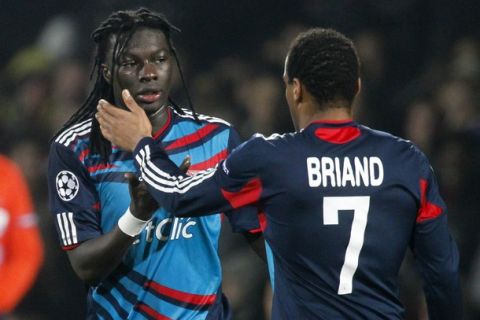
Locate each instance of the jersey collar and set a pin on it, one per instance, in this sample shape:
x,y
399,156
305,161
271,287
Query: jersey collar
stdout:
x,y
162,131
334,131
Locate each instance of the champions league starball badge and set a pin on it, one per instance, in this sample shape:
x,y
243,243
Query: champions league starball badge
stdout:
x,y
67,185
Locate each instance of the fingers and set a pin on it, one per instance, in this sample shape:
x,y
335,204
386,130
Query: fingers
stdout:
x,y
105,124
109,110
106,113
108,116
104,118
130,102
185,164
106,133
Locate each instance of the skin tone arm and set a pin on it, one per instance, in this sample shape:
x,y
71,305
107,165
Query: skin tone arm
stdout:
x,y
94,259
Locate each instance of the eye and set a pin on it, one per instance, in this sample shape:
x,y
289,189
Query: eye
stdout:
x,y
128,63
160,59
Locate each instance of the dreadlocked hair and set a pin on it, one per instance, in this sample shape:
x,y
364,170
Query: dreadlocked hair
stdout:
x,y
122,24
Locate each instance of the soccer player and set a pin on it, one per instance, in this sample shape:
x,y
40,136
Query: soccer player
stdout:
x,y
21,246
341,202
140,261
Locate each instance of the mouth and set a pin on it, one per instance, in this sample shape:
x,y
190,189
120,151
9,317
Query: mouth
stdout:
x,y
149,96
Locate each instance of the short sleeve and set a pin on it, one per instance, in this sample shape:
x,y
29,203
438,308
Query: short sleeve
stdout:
x,y
73,198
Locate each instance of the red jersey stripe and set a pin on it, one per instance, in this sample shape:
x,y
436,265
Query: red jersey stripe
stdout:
x,y
165,126
151,312
210,163
96,206
427,209
194,137
70,247
250,193
338,135
83,154
262,219
100,167
191,298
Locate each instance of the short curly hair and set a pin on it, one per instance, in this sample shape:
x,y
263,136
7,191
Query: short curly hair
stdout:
x,y
326,62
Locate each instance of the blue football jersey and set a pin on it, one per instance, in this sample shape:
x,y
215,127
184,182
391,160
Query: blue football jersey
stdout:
x,y
340,204
172,271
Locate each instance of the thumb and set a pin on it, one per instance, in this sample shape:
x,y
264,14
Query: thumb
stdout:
x,y
129,101
132,179
185,164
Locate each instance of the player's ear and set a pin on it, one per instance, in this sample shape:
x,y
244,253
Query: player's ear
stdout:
x,y
358,87
297,90
107,75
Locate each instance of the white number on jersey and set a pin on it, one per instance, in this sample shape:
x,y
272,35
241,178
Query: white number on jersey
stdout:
x,y
360,206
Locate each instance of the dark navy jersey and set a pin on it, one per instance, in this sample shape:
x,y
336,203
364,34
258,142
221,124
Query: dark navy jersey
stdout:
x,y
340,204
173,270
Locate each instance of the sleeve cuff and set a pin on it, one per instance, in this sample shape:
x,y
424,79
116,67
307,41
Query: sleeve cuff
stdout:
x,y
146,150
141,144
139,154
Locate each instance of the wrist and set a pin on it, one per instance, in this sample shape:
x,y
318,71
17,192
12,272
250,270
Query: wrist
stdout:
x,y
142,143
131,225
135,140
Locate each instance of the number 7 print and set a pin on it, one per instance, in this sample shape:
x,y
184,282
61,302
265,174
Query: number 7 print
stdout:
x,y
360,206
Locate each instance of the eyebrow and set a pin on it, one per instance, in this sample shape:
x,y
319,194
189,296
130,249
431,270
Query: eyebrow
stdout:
x,y
131,52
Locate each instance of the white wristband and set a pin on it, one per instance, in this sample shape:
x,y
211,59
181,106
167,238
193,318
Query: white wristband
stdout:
x,y
131,225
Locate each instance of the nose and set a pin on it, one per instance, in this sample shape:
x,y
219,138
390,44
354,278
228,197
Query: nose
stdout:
x,y
148,72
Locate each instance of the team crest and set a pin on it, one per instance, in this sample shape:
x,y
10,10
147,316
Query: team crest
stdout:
x,y
67,185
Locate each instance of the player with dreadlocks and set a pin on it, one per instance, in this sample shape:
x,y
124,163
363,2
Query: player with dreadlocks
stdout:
x,y
119,21
138,258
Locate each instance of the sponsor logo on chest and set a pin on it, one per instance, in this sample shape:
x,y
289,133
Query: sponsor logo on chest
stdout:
x,y
169,229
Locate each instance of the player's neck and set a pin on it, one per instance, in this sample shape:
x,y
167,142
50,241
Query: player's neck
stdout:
x,y
159,118
329,114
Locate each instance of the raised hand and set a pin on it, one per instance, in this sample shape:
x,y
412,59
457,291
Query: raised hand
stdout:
x,y
124,128
142,204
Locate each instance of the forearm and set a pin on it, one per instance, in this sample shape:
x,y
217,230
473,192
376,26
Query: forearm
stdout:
x,y
442,289
438,259
96,258
444,300
177,193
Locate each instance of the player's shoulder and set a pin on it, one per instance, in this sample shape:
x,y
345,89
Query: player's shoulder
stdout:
x,y
390,140
273,139
187,115
75,138
269,143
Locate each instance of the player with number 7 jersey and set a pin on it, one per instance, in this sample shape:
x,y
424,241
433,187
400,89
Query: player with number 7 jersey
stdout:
x,y
341,202
337,221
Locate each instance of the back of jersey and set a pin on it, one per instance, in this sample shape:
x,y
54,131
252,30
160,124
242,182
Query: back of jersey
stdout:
x,y
345,203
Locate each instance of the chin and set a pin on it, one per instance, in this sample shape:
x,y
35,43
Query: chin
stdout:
x,y
150,108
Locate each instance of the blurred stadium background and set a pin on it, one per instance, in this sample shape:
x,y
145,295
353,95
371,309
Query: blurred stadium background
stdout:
x,y
421,81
